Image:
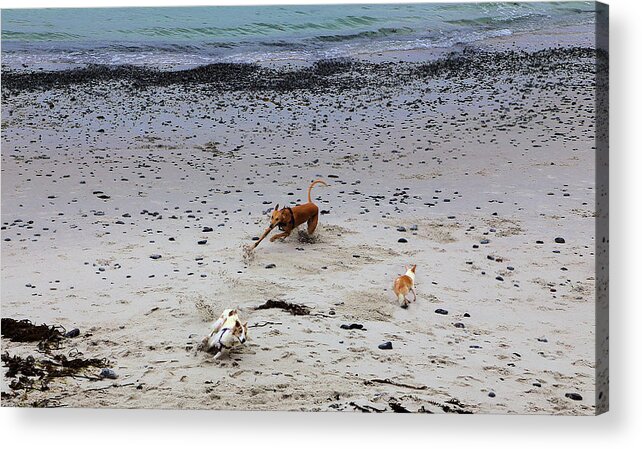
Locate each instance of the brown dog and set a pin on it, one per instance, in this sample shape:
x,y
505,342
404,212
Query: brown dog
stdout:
x,y
405,284
288,218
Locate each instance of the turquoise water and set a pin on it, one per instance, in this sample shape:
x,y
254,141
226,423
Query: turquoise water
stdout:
x,y
201,35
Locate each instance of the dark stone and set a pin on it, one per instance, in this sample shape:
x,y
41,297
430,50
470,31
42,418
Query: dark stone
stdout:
x,y
202,242
402,240
574,396
459,325
207,229
352,326
441,312
155,256
73,333
559,240
401,229
107,373
386,345
270,265
491,394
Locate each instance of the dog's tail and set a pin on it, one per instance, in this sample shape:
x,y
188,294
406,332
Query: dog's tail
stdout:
x,y
318,181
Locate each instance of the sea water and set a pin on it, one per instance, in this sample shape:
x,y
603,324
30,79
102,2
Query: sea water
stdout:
x,y
168,37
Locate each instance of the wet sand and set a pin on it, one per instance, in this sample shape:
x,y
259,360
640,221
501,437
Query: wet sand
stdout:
x,y
480,162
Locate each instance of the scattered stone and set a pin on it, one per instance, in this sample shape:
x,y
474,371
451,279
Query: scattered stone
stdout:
x,y
559,240
270,265
441,312
73,333
386,345
352,326
574,396
107,373
402,240
155,256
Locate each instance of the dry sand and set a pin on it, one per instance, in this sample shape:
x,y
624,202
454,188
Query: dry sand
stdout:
x,y
478,168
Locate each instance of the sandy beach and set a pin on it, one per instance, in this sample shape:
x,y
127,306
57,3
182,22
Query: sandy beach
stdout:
x,y
479,168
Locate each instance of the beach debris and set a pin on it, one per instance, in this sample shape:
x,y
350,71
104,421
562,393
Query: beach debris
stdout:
x,y
30,373
366,408
270,265
392,382
441,312
352,326
25,331
155,256
294,309
398,408
386,345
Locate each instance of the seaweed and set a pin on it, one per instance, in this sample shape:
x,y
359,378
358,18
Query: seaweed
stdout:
x,y
25,331
294,309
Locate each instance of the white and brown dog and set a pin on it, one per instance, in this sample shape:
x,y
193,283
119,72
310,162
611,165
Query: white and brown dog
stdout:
x,y
226,332
405,284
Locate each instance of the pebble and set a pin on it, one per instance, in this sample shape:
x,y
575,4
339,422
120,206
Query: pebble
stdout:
x,y
559,240
401,229
155,256
574,396
441,312
270,265
202,242
491,394
207,229
73,333
402,240
459,325
352,326
107,373
386,345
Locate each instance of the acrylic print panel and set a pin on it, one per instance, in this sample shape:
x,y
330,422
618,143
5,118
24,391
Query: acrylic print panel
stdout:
x,y
370,208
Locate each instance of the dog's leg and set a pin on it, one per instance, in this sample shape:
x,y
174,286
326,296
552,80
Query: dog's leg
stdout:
x,y
279,236
312,223
414,293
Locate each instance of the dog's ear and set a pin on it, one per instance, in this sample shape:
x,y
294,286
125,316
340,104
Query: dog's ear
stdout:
x,y
276,208
414,267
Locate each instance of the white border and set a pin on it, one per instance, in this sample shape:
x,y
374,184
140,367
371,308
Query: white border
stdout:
x,y
111,429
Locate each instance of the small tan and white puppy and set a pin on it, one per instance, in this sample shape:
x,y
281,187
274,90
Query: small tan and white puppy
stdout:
x,y
405,284
226,332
